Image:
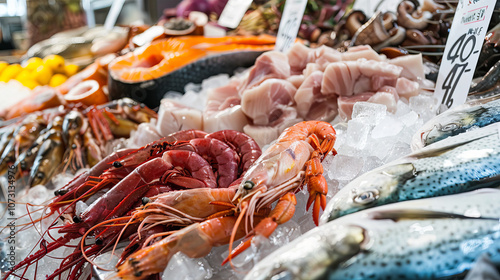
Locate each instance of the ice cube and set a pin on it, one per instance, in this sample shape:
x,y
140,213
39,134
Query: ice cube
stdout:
x,y
174,95
80,207
357,134
38,194
402,108
181,266
192,87
370,113
285,233
399,149
380,147
344,167
215,81
389,126
370,163
409,119
425,105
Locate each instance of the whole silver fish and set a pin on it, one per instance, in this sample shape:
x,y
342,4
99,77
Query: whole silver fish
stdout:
x,y
431,238
457,164
473,114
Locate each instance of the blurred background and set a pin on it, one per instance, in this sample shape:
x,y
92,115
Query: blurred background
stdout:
x,y
26,22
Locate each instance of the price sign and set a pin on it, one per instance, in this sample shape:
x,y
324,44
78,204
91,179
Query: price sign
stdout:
x,y
233,13
462,50
289,24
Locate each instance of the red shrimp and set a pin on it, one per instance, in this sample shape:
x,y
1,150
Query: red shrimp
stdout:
x,y
248,150
154,149
164,169
219,155
83,182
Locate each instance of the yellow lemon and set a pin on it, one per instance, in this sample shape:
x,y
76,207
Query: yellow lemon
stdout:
x,y
33,63
42,74
3,65
71,69
57,80
10,72
24,75
55,62
31,84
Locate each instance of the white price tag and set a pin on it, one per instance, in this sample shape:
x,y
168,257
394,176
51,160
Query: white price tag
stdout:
x,y
462,50
289,24
233,13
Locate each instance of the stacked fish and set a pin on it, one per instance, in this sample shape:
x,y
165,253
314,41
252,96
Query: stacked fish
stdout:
x,y
419,217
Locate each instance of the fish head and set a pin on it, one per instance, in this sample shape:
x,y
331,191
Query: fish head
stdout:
x,y
377,187
311,256
445,125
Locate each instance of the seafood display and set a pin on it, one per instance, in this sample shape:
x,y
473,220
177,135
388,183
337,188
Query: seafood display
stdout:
x,y
293,160
184,168
221,158
456,164
52,141
410,239
144,74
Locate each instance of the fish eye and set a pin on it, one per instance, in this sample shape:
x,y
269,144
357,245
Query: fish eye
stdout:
x,y
366,197
248,185
449,127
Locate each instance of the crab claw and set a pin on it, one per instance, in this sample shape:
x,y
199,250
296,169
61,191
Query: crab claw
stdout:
x,y
281,214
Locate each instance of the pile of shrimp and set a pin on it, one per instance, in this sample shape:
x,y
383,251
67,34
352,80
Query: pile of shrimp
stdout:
x,y
65,139
112,189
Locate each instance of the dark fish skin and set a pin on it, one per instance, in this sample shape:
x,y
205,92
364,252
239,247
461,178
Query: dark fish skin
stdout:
x,y
151,92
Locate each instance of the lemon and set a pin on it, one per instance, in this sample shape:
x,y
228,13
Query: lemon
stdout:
x,y
57,80
42,74
54,62
71,69
24,75
10,72
33,63
3,65
31,84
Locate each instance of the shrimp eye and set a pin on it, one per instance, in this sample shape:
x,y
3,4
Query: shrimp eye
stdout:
x,y
40,175
366,197
145,200
449,127
117,164
248,185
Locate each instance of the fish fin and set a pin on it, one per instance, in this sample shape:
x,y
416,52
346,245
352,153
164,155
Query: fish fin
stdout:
x,y
420,214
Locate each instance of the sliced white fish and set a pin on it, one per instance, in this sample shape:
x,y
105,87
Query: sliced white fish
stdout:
x,y
270,65
386,96
173,116
261,103
308,92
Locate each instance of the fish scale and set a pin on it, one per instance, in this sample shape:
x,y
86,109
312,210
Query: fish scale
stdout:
x,y
458,164
434,238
